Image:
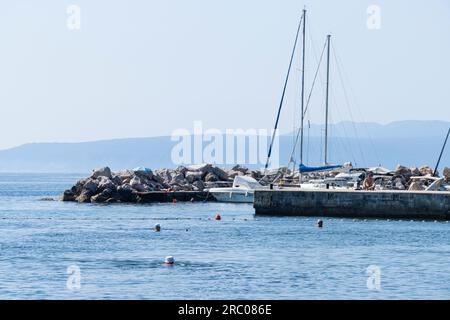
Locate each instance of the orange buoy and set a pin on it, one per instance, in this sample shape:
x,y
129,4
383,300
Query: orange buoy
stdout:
x,y
218,217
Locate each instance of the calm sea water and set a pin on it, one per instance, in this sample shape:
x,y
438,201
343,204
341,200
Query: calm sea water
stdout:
x,y
240,257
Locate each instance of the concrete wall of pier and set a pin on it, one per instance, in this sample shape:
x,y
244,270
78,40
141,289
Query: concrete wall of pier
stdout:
x,y
354,204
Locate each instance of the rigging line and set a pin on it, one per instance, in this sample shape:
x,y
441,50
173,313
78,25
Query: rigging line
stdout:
x,y
348,103
358,107
340,140
315,77
283,94
309,97
339,119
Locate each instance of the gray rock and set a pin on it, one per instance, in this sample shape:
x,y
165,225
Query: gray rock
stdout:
x,y
192,176
239,168
203,168
102,172
426,170
68,195
125,193
144,174
211,177
84,197
164,175
415,171
177,179
117,180
221,174
105,183
446,174
90,186
137,184
181,169
198,185
102,197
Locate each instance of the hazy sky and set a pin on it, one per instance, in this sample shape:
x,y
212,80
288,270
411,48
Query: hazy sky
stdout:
x,y
145,68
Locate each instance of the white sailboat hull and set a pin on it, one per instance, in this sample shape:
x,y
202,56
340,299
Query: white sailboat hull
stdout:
x,y
237,196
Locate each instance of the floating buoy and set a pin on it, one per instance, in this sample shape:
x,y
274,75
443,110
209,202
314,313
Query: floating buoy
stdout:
x,y
319,223
218,217
169,260
157,227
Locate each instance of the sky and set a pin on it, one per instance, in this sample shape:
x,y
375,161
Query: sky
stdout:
x,y
145,68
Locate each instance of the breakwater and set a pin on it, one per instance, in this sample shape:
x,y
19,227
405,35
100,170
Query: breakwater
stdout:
x,y
354,204
142,185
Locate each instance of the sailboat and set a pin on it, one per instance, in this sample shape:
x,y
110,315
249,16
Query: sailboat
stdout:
x,y
302,168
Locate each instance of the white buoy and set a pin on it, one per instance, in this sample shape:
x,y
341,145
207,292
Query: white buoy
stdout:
x,y
169,260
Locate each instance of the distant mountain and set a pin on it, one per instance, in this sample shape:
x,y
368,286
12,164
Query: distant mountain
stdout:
x,y
364,144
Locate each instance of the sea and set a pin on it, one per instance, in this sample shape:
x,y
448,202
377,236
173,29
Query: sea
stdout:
x,y
63,250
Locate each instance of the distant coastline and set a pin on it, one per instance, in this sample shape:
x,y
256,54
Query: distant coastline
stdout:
x,y
411,143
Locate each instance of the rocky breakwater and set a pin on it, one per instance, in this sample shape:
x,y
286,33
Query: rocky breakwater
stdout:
x,y
105,186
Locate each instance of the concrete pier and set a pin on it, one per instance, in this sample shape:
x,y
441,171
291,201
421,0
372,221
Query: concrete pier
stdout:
x,y
354,204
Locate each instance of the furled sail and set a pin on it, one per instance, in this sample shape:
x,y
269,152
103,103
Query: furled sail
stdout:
x,y
304,169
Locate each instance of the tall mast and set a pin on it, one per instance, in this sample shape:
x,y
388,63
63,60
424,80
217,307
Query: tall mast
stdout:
x,y
303,89
326,99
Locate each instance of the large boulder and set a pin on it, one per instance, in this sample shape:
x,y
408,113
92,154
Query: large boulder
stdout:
x,y
163,175
198,185
101,172
106,183
136,184
403,171
90,186
192,176
204,168
415,171
218,172
125,193
102,196
181,169
426,170
84,197
68,195
446,174
177,178
240,168
211,177
144,173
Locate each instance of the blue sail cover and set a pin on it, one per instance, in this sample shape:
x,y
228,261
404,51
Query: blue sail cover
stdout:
x,y
303,169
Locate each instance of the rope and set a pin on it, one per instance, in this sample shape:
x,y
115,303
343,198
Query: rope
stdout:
x,y
283,94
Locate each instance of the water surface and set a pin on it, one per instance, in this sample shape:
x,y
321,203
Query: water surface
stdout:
x,y
239,257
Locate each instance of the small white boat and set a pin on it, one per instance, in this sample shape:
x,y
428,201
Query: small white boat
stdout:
x,y
242,190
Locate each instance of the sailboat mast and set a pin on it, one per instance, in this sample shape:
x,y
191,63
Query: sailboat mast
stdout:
x,y
303,88
326,99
